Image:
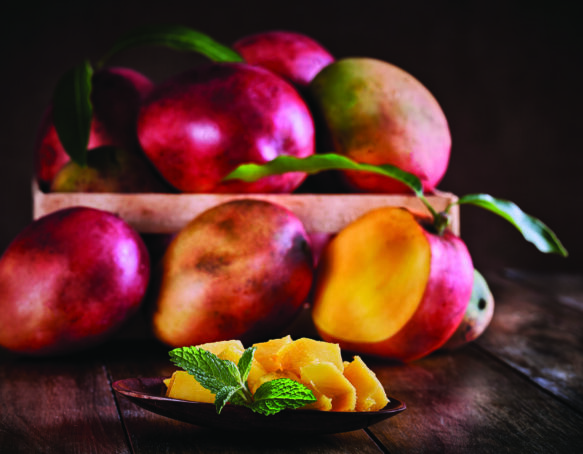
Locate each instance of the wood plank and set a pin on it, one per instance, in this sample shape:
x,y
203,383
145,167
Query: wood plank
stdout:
x,y
467,401
151,433
168,213
58,405
534,333
567,288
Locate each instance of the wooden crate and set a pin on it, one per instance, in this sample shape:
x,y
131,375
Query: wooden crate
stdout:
x,y
168,213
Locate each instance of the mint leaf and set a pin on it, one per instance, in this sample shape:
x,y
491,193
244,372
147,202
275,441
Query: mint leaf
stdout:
x,y
73,111
227,382
225,395
245,363
209,370
276,395
532,229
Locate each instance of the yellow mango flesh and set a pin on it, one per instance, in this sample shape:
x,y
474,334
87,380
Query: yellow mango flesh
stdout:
x,y
184,386
219,346
305,351
370,394
355,302
267,353
324,379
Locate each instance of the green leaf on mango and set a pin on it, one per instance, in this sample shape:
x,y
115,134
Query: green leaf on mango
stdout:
x,y
175,37
533,230
72,111
318,163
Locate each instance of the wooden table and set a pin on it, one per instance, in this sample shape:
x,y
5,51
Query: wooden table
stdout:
x,y
518,389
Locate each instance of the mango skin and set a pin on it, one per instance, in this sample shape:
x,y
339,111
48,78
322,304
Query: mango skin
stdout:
x,y
240,270
377,113
294,56
198,126
477,317
69,280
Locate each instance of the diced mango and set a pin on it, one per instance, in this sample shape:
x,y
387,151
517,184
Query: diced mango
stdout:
x,y
184,386
305,351
337,385
324,379
267,353
370,393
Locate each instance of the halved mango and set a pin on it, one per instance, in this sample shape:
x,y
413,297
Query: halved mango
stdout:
x,y
370,393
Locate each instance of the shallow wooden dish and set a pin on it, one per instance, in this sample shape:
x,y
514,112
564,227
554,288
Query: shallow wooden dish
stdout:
x,y
148,393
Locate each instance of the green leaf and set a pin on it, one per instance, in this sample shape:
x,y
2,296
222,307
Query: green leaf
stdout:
x,y
224,395
72,111
276,395
245,363
175,37
532,229
318,163
210,371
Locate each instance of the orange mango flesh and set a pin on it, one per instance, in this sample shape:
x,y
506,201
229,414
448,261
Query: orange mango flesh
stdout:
x,y
267,352
184,386
327,381
367,289
305,351
370,390
316,364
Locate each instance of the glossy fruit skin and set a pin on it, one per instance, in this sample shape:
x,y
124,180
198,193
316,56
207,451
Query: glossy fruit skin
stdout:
x,y
442,306
240,270
116,97
109,169
477,317
376,113
69,280
294,56
200,125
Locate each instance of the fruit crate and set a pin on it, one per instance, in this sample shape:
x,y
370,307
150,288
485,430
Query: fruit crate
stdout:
x,y
168,213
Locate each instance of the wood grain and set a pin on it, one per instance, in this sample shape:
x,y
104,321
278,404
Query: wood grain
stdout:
x,y
537,334
58,405
168,213
467,401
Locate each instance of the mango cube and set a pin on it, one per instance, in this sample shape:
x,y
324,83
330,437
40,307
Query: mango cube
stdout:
x,y
267,353
330,387
370,394
184,386
305,351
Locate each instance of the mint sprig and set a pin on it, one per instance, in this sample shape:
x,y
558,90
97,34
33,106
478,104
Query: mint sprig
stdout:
x,y
228,382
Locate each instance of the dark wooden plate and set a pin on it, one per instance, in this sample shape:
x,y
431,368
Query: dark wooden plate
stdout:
x,y
149,393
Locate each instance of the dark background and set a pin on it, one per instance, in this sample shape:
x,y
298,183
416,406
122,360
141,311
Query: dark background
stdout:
x,y
507,75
